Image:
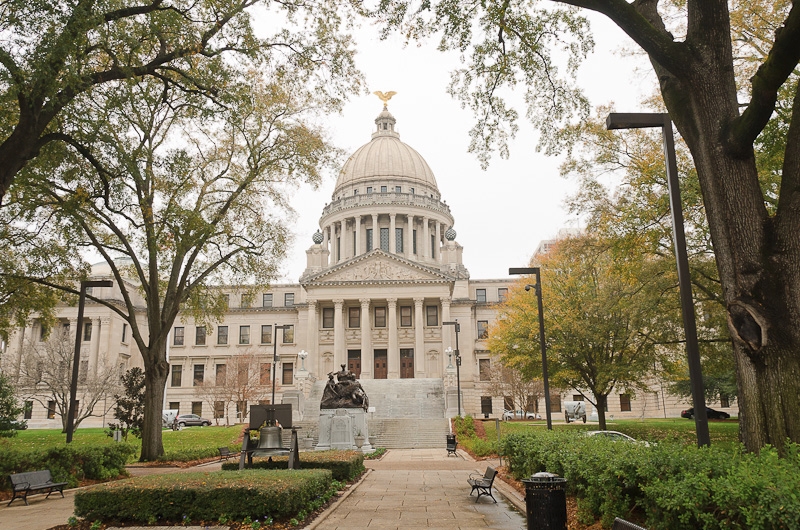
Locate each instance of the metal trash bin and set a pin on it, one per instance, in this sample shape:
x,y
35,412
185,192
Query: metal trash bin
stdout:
x,y
546,502
451,444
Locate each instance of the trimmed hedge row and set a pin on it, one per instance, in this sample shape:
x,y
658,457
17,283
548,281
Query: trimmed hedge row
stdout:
x,y
68,463
344,465
213,496
670,486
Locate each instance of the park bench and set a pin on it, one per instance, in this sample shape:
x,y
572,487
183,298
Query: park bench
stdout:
x,y
225,453
33,481
483,483
622,524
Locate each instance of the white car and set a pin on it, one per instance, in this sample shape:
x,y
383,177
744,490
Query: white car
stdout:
x,y
617,437
514,414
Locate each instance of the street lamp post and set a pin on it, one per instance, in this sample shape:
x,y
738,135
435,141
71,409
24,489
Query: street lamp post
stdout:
x,y
647,120
457,327
543,346
73,387
275,356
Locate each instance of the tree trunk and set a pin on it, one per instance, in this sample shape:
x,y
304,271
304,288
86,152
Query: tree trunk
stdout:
x,y
155,377
602,404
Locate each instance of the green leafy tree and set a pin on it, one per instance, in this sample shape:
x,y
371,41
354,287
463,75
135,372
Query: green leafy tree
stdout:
x,y
722,113
129,409
9,409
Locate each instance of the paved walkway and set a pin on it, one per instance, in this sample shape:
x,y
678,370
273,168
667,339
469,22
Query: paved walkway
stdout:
x,y
407,488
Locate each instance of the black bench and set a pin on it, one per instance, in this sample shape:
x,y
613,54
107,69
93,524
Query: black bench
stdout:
x,y
482,483
225,453
622,524
33,481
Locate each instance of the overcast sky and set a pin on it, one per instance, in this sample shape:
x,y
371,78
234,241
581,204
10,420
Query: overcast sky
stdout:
x,y
501,214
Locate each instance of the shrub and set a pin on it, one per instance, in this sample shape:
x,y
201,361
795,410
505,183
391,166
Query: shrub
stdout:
x,y
344,465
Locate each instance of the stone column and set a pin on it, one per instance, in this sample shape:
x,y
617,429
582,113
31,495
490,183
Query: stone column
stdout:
x,y
419,337
393,357
375,232
339,354
312,343
447,331
338,241
326,240
359,250
367,355
392,239
346,248
409,237
426,240
437,253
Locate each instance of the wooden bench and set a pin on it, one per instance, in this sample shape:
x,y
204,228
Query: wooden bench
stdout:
x,y
482,483
225,453
622,524
33,481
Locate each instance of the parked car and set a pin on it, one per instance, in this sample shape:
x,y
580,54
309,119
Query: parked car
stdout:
x,y
192,420
616,436
711,414
513,414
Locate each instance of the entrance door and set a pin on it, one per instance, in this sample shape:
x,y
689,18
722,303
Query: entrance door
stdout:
x,y
381,372
354,362
406,363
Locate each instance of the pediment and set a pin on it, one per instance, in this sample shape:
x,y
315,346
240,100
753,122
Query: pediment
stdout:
x,y
378,266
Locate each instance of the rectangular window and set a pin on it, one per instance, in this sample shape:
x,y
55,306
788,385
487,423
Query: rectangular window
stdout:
x,y
266,334
83,371
197,408
485,369
222,334
288,299
27,410
354,317
398,189
241,409
327,317
355,191
244,334
384,189
369,189
87,332
288,334
724,402
124,333
176,371
380,317
355,249
265,374
226,300
177,336
369,239
625,402
266,300
577,397
219,409
243,375
483,329
414,241
339,248
480,296
433,246
432,315
405,316
385,239
411,191
199,373
43,331
288,374
486,404
175,405
51,410
221,375
200,336
508,403
247,300
555,403
398,239
502,294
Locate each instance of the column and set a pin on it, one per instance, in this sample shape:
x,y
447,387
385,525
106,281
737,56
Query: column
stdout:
x,y
359,250
426,240
419,339
393,356
339,354
437,253
447,332
312,343
375,232
345,241
367,355
392,239
337,241
409,236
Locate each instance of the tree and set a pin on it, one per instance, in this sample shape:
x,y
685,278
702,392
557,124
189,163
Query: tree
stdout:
x,y
241,380
507,381
756,247
129,409
9,409
45,376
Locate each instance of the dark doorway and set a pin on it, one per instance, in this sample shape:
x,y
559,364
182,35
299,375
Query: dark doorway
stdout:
x,y
406,363
354,362
380,365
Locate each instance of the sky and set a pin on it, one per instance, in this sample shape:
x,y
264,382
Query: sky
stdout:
x,y
501,214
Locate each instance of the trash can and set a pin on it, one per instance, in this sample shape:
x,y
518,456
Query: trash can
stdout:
x,y
451,444
546,502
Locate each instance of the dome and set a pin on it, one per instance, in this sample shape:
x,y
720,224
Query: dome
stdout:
x,y
385,157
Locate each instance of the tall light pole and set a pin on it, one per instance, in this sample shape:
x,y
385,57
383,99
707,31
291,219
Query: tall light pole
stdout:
x,y
457,327
545,379
275,356
73,387
647,120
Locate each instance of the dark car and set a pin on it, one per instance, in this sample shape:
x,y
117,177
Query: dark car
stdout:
x,y
711,414
190,420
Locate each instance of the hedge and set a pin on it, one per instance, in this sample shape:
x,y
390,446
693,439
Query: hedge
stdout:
x,y
668,486
344,465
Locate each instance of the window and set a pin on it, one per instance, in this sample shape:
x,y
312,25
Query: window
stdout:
x,y
124,333
176,371
414,241
355,191
354,317
369,189
51,410
432,315
288,299
555,403
43,332
200,336
384,189
197,408
175,405
724,402
226,300
355,249
288,334
199,373
221,375
398,239
247,300
222,334
288,374
266,334
433,246
327,317
398,189
405,316
480,296
266,300
27,410
241,409
411,191
369,239
625,402
502,294
486,404
577,397
483,329
484,369
508,403
339,248
177,336
87,332
380,317
83,371
385,239
265,373
219,409
244,334
243,374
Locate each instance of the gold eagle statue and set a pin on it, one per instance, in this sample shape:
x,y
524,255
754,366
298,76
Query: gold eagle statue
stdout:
x,y
385,97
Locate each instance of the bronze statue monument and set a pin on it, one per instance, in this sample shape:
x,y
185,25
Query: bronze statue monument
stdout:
x,y
346,393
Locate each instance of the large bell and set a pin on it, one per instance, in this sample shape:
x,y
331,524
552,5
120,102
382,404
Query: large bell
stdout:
x,y
270,438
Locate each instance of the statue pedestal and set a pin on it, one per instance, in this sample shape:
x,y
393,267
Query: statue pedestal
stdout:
x,y
339,427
